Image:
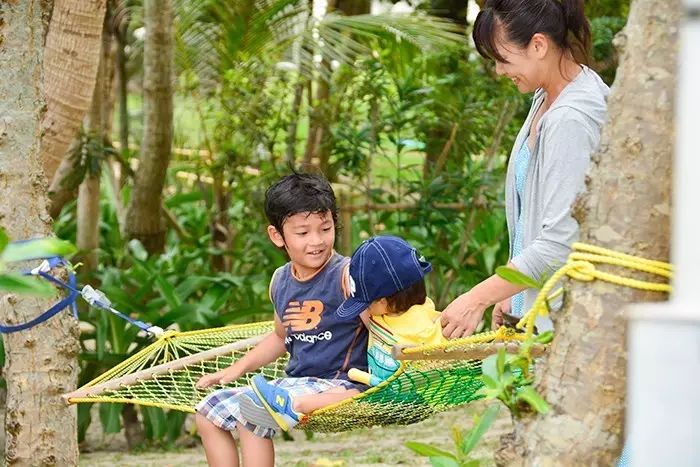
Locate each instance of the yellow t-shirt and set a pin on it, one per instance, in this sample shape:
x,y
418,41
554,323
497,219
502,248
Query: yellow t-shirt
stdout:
x,y
419,325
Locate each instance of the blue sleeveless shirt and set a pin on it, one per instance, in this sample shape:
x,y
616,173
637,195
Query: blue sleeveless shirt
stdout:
x,y
319,344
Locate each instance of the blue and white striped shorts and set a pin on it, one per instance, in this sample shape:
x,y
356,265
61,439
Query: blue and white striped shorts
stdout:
x,y
222,407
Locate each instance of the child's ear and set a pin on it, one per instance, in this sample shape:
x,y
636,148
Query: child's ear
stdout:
x,y
275,236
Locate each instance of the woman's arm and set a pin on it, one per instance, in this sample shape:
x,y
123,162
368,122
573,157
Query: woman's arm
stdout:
x,y
462,316
268,350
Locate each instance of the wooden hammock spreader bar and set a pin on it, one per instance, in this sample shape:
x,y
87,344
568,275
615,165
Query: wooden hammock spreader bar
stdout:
x,y
476,352
161,369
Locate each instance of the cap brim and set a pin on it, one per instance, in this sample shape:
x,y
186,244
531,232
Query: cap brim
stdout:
x,y
351,308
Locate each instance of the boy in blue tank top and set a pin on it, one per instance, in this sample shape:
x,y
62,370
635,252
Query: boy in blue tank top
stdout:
x,y
305,292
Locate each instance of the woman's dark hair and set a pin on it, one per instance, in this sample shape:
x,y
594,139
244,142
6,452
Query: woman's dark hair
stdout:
x,y
406,298
299,192
563,21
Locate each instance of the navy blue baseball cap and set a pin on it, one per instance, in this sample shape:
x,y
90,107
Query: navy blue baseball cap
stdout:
x,y
380,267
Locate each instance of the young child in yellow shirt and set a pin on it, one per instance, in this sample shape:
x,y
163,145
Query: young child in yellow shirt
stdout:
x,y
387,290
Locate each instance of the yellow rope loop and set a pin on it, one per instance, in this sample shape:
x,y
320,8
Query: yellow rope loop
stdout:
x,y
581,266
596,250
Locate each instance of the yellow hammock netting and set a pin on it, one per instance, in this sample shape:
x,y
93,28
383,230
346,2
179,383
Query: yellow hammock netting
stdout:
x,y
430,379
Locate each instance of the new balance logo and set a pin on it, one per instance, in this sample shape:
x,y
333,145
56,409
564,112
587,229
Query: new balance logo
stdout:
x,y
303,316
280,400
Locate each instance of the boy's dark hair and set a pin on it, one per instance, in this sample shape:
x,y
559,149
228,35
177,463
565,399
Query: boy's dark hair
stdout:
x,y
406,298
299,192
564,21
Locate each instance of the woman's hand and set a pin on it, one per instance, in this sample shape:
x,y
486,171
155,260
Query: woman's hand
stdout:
x,y
462,316
499,309
220,377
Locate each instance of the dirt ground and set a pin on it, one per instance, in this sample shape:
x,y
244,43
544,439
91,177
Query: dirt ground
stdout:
x,y
366,447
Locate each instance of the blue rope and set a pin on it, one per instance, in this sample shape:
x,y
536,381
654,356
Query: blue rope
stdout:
x,y
71,299
60,305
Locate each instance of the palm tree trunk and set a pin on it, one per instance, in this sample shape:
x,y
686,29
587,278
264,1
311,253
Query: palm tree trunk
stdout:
x,y
120,30
70,67
144,219
64,186
41,362
97,124
627,208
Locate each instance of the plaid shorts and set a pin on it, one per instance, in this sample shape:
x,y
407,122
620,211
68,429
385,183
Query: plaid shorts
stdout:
x,y
222,408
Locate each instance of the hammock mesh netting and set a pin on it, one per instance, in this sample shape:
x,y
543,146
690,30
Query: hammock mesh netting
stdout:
x,y
164,375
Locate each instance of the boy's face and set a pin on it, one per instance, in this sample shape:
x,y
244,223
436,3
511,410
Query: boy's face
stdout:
x,y
308,239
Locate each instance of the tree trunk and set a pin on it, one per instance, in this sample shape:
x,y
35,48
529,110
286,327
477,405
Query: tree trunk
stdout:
x,y
144,219
122,79
627,207
319,140
97,124
220,223
88,236
291,140
70,66
41,363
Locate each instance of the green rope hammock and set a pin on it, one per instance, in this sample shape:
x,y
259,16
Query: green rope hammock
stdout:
x,y
164,374
430,379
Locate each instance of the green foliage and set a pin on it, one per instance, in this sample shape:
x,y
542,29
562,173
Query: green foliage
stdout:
x,y
508,378
604,29
518,278
24,251
464,440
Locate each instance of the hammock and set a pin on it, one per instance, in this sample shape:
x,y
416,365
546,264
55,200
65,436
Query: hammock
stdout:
x,y
429,379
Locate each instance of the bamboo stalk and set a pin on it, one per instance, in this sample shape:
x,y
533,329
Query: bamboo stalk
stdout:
x,y
161,369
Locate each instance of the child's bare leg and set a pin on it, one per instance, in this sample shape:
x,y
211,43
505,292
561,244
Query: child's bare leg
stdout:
x,y
309,403
219,445
255,451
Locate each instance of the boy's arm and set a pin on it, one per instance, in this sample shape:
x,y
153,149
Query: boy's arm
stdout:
x,y
268,350
364,316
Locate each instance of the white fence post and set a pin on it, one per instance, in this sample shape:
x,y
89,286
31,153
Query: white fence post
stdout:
x,y
663,385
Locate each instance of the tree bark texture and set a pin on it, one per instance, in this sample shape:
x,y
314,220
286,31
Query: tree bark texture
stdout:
x,y
97,123
70,67
41,362
144,220
627,208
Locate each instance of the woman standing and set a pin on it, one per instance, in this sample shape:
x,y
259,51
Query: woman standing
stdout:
x,y
541,46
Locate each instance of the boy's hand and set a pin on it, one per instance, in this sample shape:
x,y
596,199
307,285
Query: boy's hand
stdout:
x,y
499,309
220,377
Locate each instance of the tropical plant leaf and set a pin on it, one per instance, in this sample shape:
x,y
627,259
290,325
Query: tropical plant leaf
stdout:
x,y
4,240
138,250
545,338
110,417
516,277
427,450
529,395
35,249
479,429
25,285
444,461
489,368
